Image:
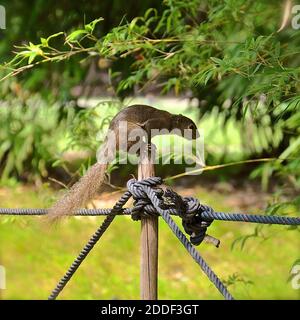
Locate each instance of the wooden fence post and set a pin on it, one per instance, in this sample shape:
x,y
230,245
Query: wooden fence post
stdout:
x,y
149,234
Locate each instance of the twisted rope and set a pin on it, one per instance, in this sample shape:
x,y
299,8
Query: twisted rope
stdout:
x,y
89,246
196,256
150,200
207,215
41,212
254,218
142,189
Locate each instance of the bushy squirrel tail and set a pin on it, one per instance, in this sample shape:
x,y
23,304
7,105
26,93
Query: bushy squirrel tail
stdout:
x,y
80,193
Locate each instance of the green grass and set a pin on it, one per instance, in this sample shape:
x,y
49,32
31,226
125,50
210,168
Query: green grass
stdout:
x,y
36,256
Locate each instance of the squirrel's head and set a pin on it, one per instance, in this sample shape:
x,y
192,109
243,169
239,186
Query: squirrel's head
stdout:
x,y
183,123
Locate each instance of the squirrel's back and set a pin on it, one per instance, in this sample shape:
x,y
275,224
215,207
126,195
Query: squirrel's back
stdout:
x,y
139,113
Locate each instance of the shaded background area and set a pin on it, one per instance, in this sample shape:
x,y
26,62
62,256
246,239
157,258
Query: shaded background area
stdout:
x,y
240,84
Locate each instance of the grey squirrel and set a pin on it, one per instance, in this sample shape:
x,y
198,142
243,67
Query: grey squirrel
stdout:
x,y
136,117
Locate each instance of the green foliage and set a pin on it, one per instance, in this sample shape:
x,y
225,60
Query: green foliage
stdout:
x,y
35,22
235,278
29,133
276,207
34,134
227,54
224,45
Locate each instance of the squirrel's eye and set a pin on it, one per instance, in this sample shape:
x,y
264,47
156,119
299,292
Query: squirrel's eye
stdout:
x,y
191,126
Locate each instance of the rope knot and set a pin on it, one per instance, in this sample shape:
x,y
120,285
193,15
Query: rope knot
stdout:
x,y
142,205
193,222
190,211
147,196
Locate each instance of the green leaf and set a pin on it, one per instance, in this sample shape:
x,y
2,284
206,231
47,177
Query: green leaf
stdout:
x,y
134,22
295,145
54,36
91,26
75,35
216,60
44,42
32,56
